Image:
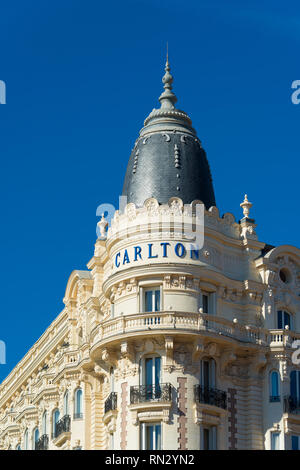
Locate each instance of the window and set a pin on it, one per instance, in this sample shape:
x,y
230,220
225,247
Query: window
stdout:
x,y
78,404
295,442
275,441
112,379
151,436
205,303
18,447
152,301
207,373
26,440
55,419
209,438
283,319
295,389
35,437
151,377
44,423
66,404
274,387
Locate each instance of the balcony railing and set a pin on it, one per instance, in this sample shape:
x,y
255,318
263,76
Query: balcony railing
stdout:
x,y
291,405
145,393
210,396
111,402
274,398
63,425
78,415
42,442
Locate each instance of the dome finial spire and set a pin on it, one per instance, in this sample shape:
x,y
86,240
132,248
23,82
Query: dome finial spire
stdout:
x,y
167,98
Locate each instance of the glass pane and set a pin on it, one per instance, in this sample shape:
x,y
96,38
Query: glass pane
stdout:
x,y
157,437
205,303
157,377
279,320
79,401
287,320
66,404
293,384
149,378
205,439
157,300
275,441
295,445
205,374
149,437
275,392
148,300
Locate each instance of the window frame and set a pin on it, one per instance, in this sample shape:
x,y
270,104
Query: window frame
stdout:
x,y
281,317
274,398
273,443
143,434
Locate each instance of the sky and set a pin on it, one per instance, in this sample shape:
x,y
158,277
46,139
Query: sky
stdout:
x,y
81,77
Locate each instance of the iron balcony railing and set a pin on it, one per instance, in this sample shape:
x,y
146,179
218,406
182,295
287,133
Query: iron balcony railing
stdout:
x,y
210,396
144,393
42,442
111,402
274,398
63,425
292,405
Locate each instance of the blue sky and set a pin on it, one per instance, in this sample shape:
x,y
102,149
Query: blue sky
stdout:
x,y
82,76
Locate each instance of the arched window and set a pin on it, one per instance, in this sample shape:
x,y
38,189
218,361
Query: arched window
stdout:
x,y
26,439
284,319
55,419
274,386
78,413
66,403
35,437
44,423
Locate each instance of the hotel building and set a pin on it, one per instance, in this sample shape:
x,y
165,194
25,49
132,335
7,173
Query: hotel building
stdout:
x,y
165,343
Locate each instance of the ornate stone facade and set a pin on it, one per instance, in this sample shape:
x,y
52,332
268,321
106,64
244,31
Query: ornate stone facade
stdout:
x,y
161,344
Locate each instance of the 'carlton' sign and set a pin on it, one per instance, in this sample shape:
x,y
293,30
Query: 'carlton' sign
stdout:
x,y
155,252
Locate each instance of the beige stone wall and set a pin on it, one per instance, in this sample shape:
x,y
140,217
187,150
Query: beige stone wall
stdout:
x,y
104,325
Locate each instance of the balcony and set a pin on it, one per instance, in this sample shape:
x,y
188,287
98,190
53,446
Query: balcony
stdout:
x,y
110,412
150,393
62,430
210,396
291,405
42,443
110,403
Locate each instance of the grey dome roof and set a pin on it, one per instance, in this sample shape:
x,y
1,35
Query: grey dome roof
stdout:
x,y
167,159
